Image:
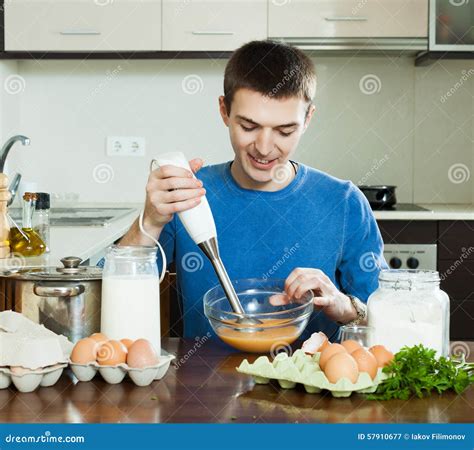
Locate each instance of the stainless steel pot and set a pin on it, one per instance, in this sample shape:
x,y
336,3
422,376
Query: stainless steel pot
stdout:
x,y
65,299
380,197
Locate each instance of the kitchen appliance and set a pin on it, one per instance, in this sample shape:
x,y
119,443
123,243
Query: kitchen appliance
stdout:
x,y
408,309
66,300
200,225
380,196
411,256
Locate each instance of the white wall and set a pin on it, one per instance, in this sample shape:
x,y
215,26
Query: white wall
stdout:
x,y
405,133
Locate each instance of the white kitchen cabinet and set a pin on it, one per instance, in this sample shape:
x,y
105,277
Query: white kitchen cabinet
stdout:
x,y
212,25
82,25
347,18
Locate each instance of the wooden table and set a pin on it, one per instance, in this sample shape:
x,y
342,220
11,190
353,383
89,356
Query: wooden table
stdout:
x,y
206,388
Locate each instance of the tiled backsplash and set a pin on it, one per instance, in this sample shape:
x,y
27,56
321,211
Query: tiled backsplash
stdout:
x,y
378,120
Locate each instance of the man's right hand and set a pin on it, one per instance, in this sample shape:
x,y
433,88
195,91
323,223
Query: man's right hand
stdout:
x,y
170,189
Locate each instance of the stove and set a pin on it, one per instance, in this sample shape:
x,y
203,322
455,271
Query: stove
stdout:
x,y
402,207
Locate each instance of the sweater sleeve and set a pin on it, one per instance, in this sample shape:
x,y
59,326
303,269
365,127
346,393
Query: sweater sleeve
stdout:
x,y
362,253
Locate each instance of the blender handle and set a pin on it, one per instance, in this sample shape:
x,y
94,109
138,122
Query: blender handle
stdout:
x,y
42,290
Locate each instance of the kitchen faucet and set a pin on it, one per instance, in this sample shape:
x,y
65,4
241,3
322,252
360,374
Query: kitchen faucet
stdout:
x,y
8,145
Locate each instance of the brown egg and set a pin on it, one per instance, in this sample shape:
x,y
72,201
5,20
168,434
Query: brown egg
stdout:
x,y
382,355
341,365
316,343
329,351
366,361
99,337
85,351
142,354
112,353
127,342
351,345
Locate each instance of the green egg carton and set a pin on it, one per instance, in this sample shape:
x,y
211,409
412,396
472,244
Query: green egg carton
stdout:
x,y
304,369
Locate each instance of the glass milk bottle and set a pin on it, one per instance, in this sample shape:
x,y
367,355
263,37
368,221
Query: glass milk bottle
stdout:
x,y
131,294
408,309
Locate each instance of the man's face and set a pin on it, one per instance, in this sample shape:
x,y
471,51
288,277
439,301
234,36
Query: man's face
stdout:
x,y
264,133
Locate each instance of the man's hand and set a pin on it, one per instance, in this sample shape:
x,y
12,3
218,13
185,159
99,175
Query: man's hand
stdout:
x,y
327,297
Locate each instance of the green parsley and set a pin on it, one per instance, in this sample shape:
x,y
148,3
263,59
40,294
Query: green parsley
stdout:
x,y
417,371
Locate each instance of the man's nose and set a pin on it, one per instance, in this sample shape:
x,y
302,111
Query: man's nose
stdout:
x,y
264,142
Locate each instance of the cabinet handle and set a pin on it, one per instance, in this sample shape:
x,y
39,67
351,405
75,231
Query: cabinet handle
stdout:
x,y
346,19
80,32
213,33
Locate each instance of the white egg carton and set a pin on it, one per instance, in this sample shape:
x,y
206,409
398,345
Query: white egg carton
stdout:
x,y
27,380
116,374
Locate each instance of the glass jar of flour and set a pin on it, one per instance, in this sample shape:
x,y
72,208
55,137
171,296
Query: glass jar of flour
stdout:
x,y
409,308
131,295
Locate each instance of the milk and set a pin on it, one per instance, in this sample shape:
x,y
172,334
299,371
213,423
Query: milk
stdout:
x,y
131,308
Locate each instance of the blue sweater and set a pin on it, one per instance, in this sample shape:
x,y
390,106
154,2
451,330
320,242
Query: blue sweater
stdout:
x,y
316,221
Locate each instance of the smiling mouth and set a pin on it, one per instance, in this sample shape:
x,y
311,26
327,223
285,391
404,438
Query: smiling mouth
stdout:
x,y
262,161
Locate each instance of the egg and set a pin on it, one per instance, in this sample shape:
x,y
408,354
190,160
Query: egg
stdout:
x,y
341,365
366,361
351,345
127,342
111,353
99,337
142,354
85,351
329,351
382,355
316,343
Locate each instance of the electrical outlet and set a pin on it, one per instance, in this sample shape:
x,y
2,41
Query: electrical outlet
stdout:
x,y
125,146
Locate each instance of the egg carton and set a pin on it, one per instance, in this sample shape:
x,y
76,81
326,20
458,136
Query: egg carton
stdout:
x,y
304,369
27,380
27,344
116,374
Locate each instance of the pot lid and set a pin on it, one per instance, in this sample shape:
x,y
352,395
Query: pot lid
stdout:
x,y
71,271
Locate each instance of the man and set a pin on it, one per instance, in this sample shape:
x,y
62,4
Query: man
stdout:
x,y
275,218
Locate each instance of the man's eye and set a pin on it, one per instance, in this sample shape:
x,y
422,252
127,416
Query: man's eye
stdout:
x,y
282,133
247,128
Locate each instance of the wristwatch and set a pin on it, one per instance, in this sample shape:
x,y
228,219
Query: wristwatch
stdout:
x,y
361,310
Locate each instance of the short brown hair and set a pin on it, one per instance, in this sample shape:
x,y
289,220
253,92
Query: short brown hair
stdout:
x,y
270,68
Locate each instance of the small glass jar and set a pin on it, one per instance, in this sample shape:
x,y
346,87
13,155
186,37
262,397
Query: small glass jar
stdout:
x,y
131,294
408,309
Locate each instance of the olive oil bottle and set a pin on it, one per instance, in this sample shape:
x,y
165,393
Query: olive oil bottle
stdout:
x,y
26,241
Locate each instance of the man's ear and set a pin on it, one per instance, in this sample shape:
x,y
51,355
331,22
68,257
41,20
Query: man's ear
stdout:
x,y
309,115
223,110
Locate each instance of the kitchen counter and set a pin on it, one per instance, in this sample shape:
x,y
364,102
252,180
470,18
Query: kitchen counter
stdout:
x,y
436,212
205,387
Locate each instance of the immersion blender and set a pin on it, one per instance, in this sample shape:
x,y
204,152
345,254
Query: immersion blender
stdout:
x,y
200,225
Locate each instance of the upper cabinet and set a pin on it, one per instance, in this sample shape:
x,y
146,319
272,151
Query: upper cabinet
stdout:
x,y
347,18
82,25
213,25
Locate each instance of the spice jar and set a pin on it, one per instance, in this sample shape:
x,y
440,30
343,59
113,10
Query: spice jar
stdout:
x,y
409,308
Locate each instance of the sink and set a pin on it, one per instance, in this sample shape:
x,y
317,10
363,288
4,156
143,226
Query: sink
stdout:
x,y
79,217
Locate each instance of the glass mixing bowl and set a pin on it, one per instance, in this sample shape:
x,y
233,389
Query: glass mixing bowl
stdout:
x,y
282,318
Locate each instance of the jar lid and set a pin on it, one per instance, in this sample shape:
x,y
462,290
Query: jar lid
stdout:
x,y
135,252
42,200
